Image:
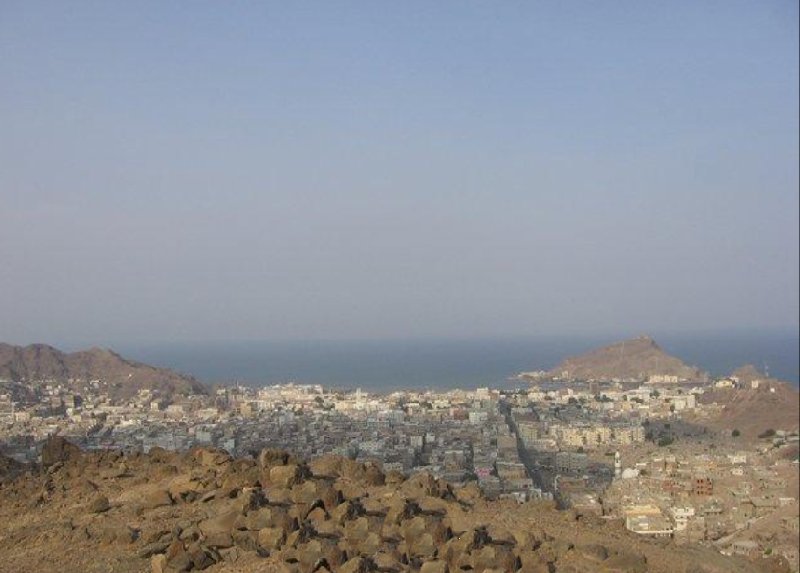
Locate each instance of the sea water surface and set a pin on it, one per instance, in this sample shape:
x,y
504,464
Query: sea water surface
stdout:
x,y
387,365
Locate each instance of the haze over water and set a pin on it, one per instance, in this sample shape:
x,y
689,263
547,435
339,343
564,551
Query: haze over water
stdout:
x,y
384,366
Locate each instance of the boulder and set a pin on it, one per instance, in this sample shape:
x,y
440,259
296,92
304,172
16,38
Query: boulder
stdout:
x,y
419,485
284,520
374,506
271,538
358,565
152,549
99,504
251,498
190,533
238,480
199,557
219,539
394,478
373,475
156,498
279,496
182,486
349,489
469,494
423,546
269,457
347,511
456,552
532,562
246,540
356,531
317,516
412,528
328,528
220,523
500,535
211,457
256,519
398,509
284,476
385,561
158,563
115,472
315,554
326,466
306,492
459,522
57,449
181,561
434,566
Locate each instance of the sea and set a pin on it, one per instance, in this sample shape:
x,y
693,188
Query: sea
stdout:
x,y
383,366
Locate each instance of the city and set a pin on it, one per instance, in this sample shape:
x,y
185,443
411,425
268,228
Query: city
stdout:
x,y
617,450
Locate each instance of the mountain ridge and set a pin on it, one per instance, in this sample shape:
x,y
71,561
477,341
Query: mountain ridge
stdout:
x,y
25,365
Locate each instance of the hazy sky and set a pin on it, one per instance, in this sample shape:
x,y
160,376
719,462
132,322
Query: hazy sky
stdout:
x,y
235,170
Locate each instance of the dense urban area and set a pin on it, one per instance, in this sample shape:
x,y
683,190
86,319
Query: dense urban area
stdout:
x,y
620,449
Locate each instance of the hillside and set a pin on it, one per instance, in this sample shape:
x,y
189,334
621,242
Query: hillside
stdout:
x,y
203,510
771,405
634,359
123,378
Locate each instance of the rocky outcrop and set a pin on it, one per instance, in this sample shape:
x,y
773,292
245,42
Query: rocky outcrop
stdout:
x,y
203,510
10,468
634,359
58,450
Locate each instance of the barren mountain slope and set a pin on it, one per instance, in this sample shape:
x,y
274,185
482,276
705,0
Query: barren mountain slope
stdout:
x,y
166,512
37,362
773,405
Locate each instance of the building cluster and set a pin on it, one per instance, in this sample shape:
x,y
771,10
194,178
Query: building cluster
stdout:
x,y
599,449
458,435
731,497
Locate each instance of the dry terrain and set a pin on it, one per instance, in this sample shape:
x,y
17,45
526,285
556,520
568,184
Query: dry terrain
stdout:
x,y
203,510
637,359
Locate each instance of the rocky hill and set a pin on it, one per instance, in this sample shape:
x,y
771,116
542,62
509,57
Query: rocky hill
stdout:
x,y
771,405
634,359
203,510
24,365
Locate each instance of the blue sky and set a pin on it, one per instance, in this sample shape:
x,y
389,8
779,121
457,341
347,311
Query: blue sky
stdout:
x,y
373,169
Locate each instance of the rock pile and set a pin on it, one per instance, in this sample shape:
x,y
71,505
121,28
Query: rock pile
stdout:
x,y
204,510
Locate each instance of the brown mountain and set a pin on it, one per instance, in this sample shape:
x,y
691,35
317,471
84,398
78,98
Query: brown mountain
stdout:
x,y
748,373
753,409
637,358
122,378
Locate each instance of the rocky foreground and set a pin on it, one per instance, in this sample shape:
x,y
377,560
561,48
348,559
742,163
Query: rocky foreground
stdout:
x,y
165,512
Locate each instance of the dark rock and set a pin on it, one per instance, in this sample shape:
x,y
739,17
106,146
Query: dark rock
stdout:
x,y
57,449
99,504
271,538
156,498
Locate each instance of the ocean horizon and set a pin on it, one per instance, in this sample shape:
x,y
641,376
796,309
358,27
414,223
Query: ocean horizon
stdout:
x,y
440,364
